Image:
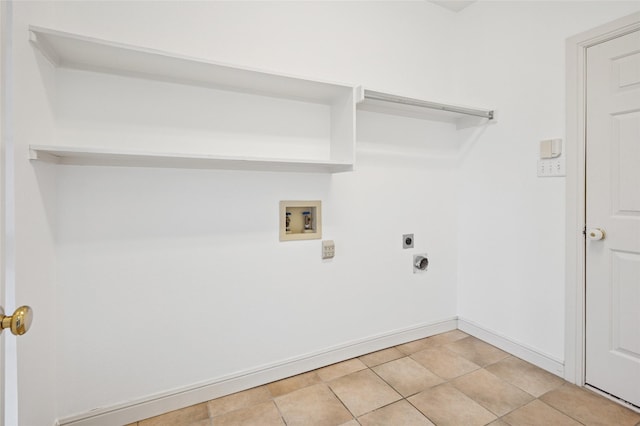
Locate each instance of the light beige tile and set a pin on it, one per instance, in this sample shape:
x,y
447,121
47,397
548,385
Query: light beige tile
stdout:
x,y
477,351
351,423
380,357
265,414
363,391
431,342
340,369
238,400
406,376
537,413
445,405
588,407
414,346
189,416
294,383
204,422
444,363
448,337
494,394
498,423
527,377
398,413
313,405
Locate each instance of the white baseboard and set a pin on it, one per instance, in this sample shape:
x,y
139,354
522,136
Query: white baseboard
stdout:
x,y
518,349
154,405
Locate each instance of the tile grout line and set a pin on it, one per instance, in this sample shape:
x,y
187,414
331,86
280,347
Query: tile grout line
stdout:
x,y
487,408
557,409
405,398
273,399
338,398
450,381
419,411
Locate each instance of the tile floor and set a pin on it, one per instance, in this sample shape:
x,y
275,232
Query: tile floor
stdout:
x,y
447,379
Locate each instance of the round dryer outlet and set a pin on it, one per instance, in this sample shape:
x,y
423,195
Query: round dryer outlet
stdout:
x,y
420,263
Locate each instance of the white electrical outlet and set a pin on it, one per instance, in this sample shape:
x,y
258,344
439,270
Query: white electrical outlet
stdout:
x,y
328,249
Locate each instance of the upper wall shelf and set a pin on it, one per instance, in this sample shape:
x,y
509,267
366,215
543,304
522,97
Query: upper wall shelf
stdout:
x,y
67,50
387,103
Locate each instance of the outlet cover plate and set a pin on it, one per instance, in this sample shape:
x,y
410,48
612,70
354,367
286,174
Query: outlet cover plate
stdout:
x,y
407,241
328,249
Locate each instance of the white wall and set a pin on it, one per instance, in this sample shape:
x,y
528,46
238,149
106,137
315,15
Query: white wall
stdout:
x,y
156,262
169,278
511,223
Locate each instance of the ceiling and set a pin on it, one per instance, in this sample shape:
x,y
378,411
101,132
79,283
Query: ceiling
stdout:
x,y
454,5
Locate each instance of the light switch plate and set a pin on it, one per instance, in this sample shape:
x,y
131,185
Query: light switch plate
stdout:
x,y
545,149
550,148
553,167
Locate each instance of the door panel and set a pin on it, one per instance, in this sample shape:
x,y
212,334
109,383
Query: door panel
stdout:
x,y
613,204
627,68
625,295
625,192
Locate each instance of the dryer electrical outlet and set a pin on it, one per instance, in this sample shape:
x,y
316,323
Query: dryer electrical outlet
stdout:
x,y
420,262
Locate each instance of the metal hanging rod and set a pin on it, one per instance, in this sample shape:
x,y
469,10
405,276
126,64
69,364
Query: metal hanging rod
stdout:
x,y
385,97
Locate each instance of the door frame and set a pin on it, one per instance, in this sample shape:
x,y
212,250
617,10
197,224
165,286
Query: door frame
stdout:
x,y
575,251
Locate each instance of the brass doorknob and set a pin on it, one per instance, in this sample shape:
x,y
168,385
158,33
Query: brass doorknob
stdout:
x,y
19,323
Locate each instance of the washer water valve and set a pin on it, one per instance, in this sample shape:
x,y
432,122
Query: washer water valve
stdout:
x,y
420,263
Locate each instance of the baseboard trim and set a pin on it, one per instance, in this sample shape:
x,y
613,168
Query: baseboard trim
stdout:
x,y
513,347
154,405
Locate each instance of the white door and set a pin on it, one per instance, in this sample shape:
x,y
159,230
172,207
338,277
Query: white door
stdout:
x,y
2,251
613,205
18,321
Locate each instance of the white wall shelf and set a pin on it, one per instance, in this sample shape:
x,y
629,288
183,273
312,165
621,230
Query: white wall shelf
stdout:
x,y
79,52
69,50
387,103
104,157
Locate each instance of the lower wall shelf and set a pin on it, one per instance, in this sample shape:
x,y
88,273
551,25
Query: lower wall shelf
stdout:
x,y
103,157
